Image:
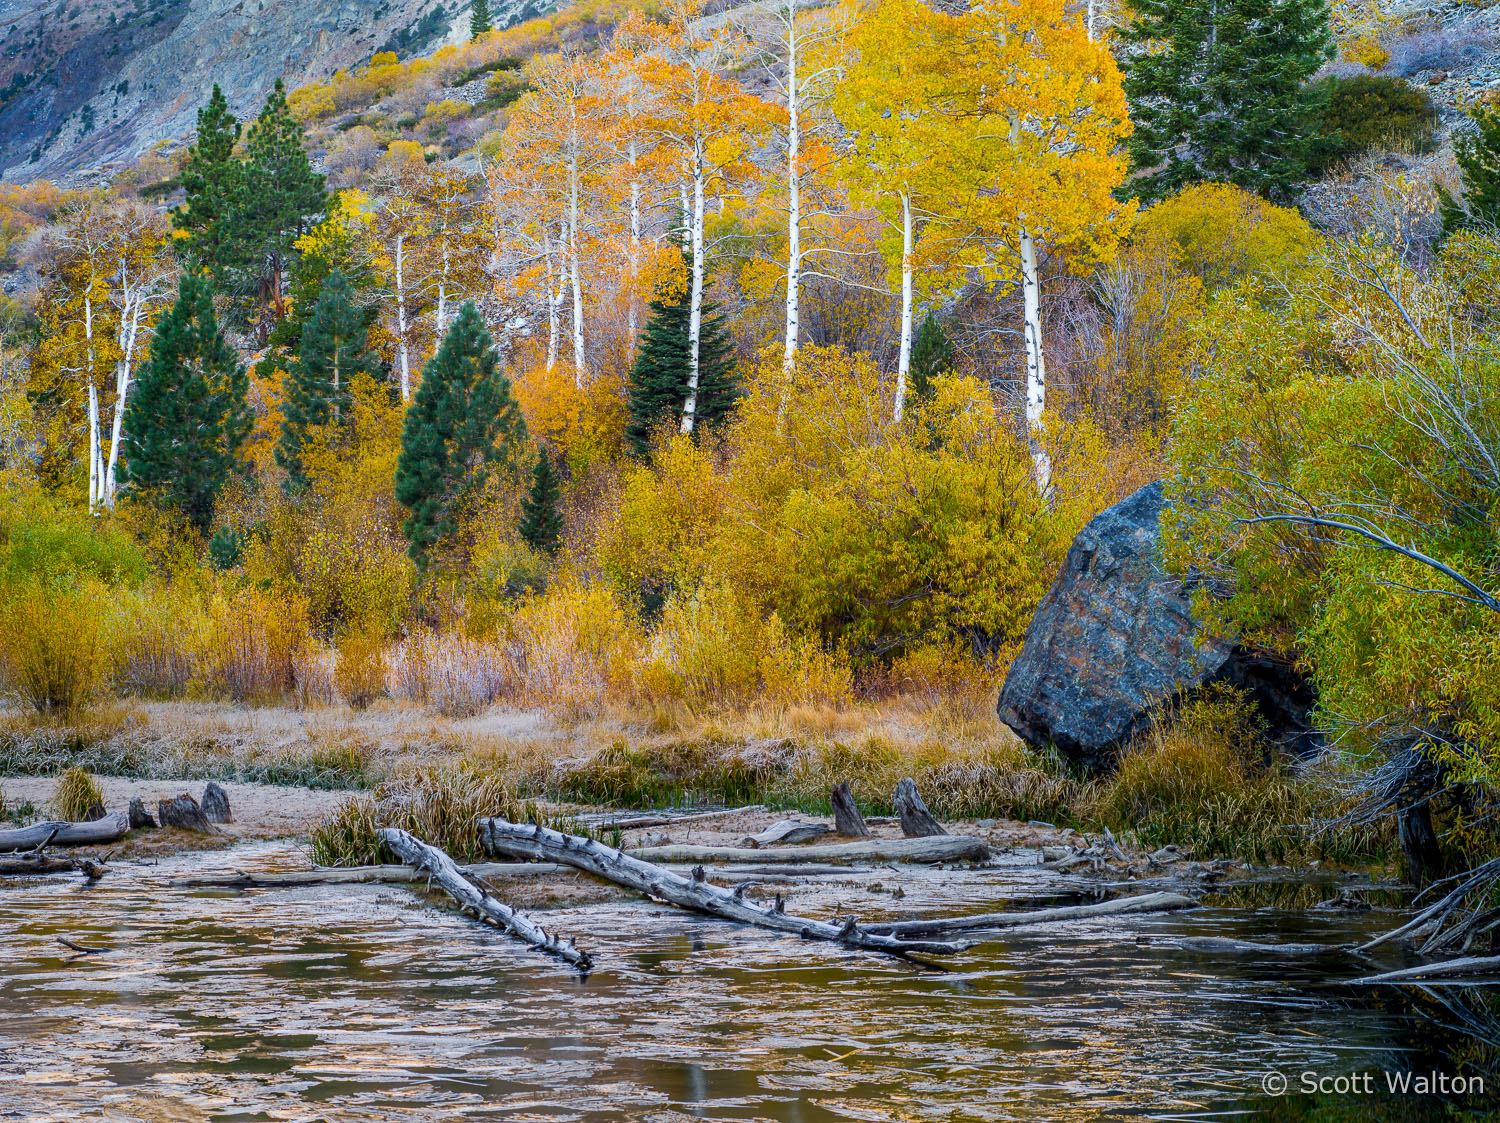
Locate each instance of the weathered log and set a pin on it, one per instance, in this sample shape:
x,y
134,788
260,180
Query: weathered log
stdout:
x,y
989,921
184,813
633,822
1470,970
446,873
139,817
695,893
107,829
216,804
847,820
356,875
44,864
916,820
949,848
787,832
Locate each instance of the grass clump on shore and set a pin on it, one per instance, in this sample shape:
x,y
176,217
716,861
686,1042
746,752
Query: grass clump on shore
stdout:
x,y
77,794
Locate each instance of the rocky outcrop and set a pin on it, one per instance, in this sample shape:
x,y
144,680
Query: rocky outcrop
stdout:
x,y
1115,639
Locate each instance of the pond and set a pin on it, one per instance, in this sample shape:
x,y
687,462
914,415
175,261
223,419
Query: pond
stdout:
x,y
359,1002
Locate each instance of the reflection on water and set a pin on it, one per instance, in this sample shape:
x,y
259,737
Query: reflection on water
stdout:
x,y
361,1002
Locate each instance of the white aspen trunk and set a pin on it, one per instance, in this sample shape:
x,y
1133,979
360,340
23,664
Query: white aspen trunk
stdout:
x,y
794,199
552,298
442,304
635,245
695,312
687,233
130,322
1036,370
903,362
94,481
1090,24
401,324
580,359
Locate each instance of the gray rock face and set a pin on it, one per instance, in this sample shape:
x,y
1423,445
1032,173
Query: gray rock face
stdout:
x,y
1115,638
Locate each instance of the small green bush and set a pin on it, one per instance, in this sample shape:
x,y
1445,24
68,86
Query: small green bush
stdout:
x,y
1368,111
41,541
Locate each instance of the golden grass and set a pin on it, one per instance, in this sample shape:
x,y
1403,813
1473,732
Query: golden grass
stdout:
x,y
76,795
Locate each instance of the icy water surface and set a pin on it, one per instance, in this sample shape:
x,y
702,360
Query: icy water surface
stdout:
x,y
362,1002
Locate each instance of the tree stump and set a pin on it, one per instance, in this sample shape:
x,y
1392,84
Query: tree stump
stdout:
x,y
847,820
95,812
216,804
916,820
140,818
184,813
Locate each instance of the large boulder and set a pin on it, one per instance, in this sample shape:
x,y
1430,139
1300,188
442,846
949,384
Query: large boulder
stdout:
x,y
1114,640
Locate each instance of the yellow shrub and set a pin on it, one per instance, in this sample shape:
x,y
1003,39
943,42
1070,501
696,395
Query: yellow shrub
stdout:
x,y
1367,50
360,673
76,795
577,647
256,640
160,642
1221,233
51,647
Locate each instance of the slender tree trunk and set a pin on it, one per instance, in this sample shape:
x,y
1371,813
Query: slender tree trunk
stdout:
x,y
580,360
794,200
903,362
695,308
1036,368
1090,24
94,481
442,304
635,247
401,323
130,322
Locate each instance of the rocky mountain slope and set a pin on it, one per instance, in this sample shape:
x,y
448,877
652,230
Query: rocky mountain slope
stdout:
x,y
88,83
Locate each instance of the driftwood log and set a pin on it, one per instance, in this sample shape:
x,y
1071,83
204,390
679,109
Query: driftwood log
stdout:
x,y
445,872
1469,971
41,863
989,921
787,832
634,822
695,893
107,829
916,820
949,848
216,804
356,875
183,813
847,820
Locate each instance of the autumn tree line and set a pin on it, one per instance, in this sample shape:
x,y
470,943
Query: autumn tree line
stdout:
x,y
780,356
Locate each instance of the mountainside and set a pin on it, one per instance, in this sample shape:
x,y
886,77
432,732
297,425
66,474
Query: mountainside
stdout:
x,y
87,83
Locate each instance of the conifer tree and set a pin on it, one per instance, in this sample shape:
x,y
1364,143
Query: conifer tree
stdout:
x,y
280,199
931,356
1218,91
658,384
541,520
1478,156
463,418
334,351
211,178
479,19
189,416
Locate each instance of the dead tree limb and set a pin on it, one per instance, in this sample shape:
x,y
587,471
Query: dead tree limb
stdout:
x,y
107,829
916,820
949,848
476,898
1147,902
1471,970
695,893
356,875
41,864
847,820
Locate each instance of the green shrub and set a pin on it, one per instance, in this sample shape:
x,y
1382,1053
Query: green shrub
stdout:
x,y
1369,111
43,542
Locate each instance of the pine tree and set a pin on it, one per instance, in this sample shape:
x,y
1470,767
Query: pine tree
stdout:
x,y
658,382
211,178
462,419
479,19
1218,91
1478,156
541,521
280,199
931,356
334,351
189,416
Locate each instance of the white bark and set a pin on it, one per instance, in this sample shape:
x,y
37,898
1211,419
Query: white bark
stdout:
x,y
695,307
794,198
903,362
402,326
95,483
1036,369
635,244
580,360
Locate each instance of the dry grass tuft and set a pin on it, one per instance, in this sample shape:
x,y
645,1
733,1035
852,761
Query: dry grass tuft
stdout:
x,y
76,796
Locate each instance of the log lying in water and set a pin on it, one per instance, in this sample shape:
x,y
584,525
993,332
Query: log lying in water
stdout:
x,y
41,863
107,829
1469,971
356,875
947,848
990,921
528,840
446,872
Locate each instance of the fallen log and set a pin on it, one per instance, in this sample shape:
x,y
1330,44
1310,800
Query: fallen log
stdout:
x,y
695,893
43,864
356,875
916,820
1471,971
990,921
446,873
633,822
847,820
107,829
786,832
948,848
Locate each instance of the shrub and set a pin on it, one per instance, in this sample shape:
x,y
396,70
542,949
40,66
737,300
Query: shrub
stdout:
x,y
455,675
313,667
1367,50
255,640
1369,111
77,795
159,645
576,646
1221,233
51,648
44,542
1438,50
360,672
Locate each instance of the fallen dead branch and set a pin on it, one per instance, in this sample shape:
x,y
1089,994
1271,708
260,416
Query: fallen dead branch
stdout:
x,y
945,848
1480,970
634,822
107,829
355,875
989,921
443,870
695,893
34,864
83,949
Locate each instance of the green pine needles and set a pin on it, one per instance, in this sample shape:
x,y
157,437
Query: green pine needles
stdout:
x,y
211,179
462,420
658,386
541,519
335,350
479,19
931,356
1218,91
1478,156
188,417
